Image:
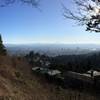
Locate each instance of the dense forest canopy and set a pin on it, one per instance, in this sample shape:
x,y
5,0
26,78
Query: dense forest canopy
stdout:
x,y
78,63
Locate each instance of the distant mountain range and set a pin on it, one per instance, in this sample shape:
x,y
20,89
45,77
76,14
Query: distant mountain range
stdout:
x,y
52,49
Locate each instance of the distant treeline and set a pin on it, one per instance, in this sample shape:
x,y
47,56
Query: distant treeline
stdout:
x,y
78,63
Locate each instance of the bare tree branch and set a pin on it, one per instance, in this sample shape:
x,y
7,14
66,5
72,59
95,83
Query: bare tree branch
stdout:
x,y
4,3
88,14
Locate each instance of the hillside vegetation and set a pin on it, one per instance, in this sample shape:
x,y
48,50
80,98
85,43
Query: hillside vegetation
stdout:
x,y
18,82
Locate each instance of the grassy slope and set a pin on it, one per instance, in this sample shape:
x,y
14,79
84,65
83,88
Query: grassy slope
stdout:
x,y
17,81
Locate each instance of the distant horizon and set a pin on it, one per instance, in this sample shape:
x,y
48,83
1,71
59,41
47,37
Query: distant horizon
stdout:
x,y
52,43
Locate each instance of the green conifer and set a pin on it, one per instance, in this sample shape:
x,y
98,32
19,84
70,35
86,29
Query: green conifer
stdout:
x,y
2,47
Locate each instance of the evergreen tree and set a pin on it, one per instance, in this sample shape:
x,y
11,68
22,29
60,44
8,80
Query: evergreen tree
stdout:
x,y
2,47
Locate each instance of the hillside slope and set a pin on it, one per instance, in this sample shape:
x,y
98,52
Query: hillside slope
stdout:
x,y
17,82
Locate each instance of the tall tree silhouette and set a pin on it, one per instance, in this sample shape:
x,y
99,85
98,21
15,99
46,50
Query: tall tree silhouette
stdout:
x,y
2,47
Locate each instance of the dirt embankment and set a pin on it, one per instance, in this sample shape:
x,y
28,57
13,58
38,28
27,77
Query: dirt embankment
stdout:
x,y
17,82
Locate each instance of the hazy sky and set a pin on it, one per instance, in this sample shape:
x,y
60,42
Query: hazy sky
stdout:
x,y
25,24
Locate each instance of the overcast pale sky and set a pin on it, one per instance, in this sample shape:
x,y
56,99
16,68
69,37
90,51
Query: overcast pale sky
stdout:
x,y
21,24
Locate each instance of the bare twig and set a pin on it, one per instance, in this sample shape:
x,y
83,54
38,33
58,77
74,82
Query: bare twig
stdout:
x,y
4,3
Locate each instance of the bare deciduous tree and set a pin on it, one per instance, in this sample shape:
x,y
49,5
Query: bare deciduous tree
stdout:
x,y
4,3
87,13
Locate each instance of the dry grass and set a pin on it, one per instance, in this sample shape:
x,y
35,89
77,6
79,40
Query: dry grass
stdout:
x,y
18,83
